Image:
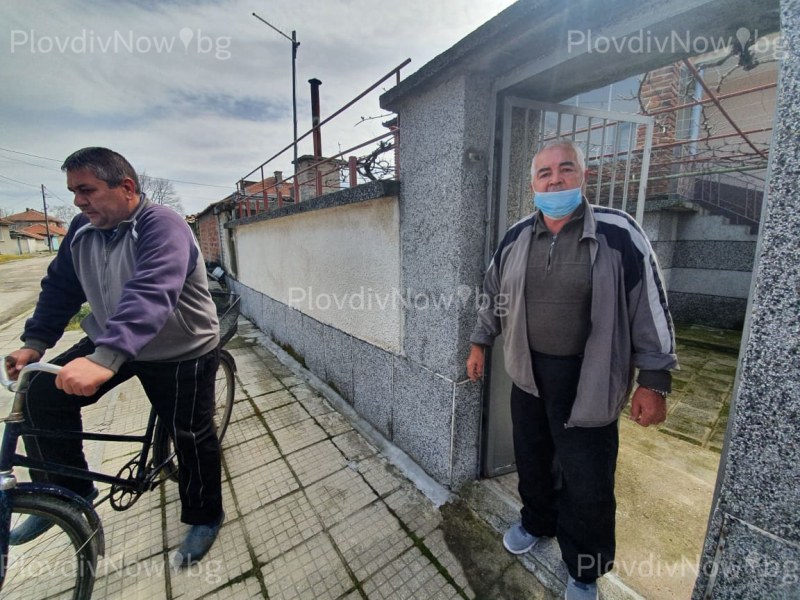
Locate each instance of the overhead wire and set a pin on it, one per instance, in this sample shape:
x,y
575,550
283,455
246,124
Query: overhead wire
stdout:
x,y
56,160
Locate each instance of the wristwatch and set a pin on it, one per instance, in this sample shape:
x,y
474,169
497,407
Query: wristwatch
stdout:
x,y
661,393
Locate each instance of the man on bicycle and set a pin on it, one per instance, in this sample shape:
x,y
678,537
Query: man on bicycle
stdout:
x,y
138,266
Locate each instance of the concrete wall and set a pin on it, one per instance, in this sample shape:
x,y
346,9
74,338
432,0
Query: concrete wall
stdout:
x,y
401,370
707,265
753,544
339,265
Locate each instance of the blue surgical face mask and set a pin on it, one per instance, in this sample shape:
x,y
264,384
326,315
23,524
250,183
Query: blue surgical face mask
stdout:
x,y
558,205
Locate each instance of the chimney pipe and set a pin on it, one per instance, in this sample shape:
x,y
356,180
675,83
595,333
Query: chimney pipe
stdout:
x,y
315,83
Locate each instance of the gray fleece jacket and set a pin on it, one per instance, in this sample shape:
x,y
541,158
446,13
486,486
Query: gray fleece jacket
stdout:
x,y
630,322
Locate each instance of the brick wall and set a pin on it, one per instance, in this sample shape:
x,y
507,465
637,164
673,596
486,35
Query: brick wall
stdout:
x,y
660,90
208,234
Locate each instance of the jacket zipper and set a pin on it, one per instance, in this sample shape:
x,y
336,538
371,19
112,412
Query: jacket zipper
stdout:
x,y
106,253
550,252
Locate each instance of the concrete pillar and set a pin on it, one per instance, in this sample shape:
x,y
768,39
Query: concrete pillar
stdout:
x,y
752,547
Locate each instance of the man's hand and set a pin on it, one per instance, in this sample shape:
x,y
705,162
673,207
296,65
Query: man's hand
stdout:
x,y
16,360
475,362
82,377
648,407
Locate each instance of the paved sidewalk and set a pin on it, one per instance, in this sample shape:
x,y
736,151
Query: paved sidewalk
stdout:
x,y
314,511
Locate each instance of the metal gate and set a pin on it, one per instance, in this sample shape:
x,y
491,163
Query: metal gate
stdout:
x,y
617,150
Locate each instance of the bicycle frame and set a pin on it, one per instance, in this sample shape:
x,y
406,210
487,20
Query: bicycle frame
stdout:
x,y
16,427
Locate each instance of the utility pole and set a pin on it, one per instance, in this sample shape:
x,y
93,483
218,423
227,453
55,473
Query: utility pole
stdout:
x,y
46,222
295,45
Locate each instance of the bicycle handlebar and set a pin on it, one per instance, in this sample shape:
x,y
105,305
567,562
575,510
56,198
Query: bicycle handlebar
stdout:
x,y
12,385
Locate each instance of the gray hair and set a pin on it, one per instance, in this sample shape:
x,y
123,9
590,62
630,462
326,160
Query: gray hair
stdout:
x,y
564,143
105,164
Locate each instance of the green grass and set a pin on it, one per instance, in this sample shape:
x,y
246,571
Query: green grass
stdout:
x,y
4,258
75,322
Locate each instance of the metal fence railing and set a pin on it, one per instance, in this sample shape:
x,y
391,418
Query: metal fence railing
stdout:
x,y
315,175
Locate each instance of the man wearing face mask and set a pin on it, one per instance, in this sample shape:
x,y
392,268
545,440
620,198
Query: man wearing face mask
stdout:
x,y
584,307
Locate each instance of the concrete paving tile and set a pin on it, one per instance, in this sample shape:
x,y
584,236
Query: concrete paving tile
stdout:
x,y
253,453
299,435
316,462
279,527
409,577
263,485
133,536
239,394
436,543
228,558
284,416
125,580
704,402
380,474
315,404
706,418
242,590
414,509
312,570
241,432
354,446
242,410
273,400
339,495
249,362
261,386
303,391
289,380
334,424
686,430
369,539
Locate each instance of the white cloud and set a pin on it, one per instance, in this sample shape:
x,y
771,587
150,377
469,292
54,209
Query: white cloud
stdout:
x,y
198,91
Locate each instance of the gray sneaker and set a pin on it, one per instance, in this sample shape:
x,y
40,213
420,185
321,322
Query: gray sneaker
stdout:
x,y
518,541
580,591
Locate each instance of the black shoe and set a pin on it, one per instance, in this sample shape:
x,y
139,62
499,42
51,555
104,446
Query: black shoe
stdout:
x,y
197,543
35,525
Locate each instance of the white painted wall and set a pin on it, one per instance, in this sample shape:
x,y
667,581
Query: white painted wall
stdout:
x,y
338,265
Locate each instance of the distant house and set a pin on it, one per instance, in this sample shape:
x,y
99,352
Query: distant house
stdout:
x,y
29,243
31,228
7,245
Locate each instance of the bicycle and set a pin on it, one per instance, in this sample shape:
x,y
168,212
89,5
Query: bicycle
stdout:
x,y
65,557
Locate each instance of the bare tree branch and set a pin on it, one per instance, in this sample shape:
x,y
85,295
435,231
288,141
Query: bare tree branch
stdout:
x,y
160,191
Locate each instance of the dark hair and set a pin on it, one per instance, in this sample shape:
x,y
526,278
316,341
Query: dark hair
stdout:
x,y
105,164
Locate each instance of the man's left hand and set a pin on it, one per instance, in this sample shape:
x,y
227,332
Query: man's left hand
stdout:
x,y
648,407
82,377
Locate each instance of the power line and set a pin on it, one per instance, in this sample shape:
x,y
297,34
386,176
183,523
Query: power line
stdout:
x,y
18,181
52,193
165,178
25,162
31,155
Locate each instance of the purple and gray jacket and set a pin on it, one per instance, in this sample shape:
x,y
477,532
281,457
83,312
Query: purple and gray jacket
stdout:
x,y
145,284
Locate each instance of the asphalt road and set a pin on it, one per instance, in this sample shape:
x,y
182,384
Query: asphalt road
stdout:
x,y
19,285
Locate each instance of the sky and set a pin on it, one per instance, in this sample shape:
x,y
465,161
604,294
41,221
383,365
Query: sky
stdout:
x,y
199,92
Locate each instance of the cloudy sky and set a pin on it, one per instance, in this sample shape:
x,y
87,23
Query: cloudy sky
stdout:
x,y
198,92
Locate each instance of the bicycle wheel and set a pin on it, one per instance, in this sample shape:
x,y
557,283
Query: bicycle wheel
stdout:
x,y
224,389
63,558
